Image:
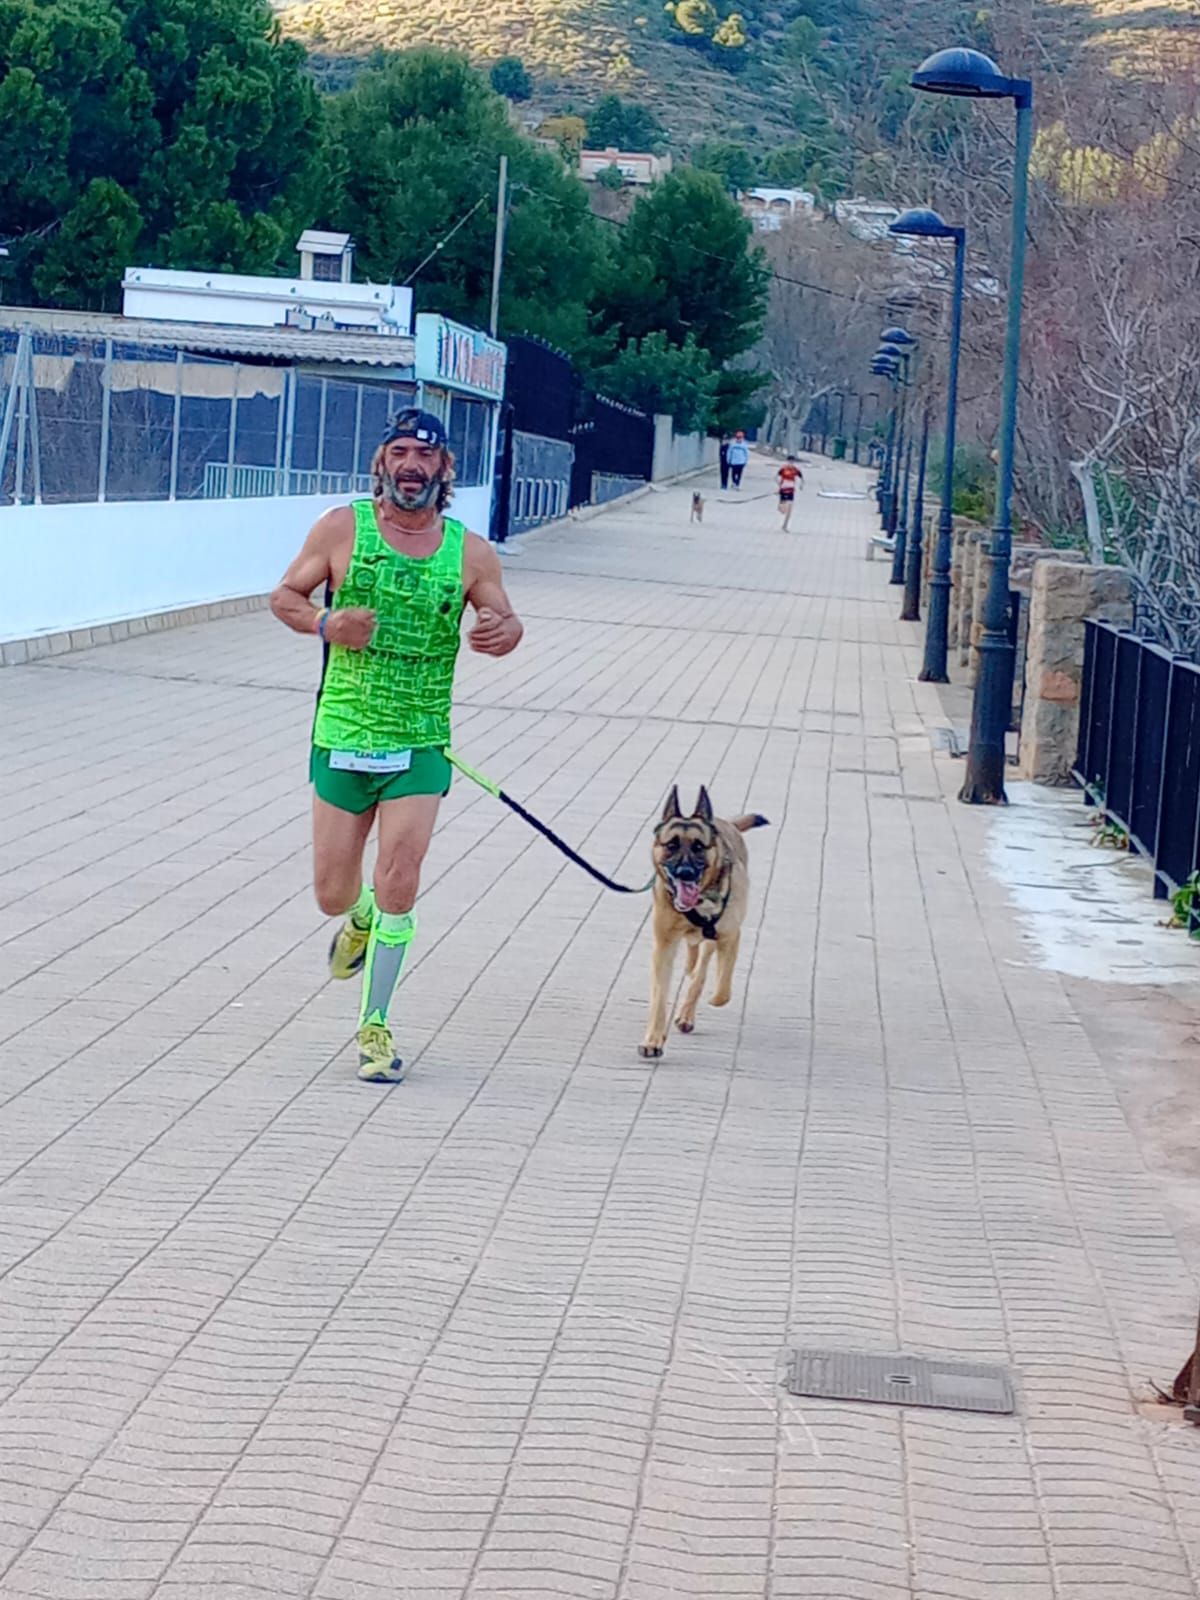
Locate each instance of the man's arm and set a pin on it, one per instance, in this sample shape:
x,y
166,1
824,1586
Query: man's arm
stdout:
x,y
497,627
291,600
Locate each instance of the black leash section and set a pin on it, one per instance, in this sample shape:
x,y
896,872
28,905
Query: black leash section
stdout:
x,y
494,789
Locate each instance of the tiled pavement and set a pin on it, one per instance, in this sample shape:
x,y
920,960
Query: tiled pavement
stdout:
x,y
517,1327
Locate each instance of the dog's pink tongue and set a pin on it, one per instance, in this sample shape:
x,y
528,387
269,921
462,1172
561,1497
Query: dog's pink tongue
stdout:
x,y
687,896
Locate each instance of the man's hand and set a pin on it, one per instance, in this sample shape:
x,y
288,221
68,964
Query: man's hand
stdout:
x,y
494,633
353,628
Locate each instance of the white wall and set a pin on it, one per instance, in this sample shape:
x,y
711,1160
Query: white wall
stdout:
x,y
79,566
680,452
232,298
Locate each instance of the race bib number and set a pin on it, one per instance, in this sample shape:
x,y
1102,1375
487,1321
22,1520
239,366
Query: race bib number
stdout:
x,y
370,761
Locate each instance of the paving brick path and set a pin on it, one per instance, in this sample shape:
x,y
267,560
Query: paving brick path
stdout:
x,y
517,1327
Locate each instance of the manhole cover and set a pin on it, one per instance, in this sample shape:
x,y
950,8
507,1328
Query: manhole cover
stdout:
x,y
900,1381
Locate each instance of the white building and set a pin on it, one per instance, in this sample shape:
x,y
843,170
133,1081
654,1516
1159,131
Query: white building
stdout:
x,y
866,219
637,167
322,297
769,209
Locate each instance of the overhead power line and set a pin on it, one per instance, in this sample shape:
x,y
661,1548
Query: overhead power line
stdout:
x,y
715,255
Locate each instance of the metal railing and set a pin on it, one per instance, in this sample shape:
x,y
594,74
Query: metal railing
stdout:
x,y
1139,747
225,482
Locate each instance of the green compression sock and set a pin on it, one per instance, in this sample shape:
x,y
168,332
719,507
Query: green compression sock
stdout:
x,y
391,934
362,912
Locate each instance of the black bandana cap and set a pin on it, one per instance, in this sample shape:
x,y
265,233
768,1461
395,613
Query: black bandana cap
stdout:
x,y
420,425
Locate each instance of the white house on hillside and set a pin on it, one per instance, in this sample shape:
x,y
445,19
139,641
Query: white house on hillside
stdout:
x,y
769,209
865,219
637,167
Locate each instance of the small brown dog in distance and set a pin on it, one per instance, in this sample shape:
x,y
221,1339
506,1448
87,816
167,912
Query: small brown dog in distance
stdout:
x,y
697,507
702,878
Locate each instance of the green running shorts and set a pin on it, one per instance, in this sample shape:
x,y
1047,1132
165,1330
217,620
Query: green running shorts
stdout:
x,y
428,773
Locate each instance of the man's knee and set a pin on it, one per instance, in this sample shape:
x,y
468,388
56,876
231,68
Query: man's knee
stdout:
x,y
334,895
397,879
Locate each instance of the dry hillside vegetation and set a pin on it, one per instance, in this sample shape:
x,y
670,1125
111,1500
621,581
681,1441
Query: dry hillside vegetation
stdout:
x,y
576,50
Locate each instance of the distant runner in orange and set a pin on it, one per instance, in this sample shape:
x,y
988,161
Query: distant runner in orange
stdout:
x,y
790,478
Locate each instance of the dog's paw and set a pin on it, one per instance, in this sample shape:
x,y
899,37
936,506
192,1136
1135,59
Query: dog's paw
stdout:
x,y
720,999
685,1024
649,1052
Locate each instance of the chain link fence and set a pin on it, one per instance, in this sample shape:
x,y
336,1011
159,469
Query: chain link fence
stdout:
x,y
94,419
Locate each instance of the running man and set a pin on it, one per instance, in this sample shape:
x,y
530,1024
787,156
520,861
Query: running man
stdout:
x,y
396,574
790,478
738,455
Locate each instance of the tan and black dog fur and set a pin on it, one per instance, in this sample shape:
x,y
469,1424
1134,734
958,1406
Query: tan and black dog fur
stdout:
x,y
701,883
697,507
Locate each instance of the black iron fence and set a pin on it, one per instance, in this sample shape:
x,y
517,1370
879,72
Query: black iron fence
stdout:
x,y
611,440
1139,747
560,445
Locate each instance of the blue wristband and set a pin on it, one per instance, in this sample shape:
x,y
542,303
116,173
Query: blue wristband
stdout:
x,y
325,615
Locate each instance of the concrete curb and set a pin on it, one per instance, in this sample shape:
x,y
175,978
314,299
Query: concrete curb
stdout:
x,y
19,652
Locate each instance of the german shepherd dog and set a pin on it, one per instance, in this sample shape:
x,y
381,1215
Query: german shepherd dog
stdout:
x,y
701,882
697,507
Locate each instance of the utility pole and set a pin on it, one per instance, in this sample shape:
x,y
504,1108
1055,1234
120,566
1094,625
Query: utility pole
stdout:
x,y
498,256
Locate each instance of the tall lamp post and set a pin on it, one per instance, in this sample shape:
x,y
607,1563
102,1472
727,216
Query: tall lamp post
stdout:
x,y
887,367
899,342
910,608
972,75
898,357
857,423
921,223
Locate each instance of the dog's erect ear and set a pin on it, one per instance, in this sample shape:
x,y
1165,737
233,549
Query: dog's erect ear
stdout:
x,y
671,809
704,808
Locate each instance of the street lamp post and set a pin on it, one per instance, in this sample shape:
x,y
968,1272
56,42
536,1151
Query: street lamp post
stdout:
x,y
910,610
921,223
888,367
858,426
899,342
971,74
900,548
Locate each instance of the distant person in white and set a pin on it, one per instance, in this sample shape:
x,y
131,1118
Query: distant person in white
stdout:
x,y
739,454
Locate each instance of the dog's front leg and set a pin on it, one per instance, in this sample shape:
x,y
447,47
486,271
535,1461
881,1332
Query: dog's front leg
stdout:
x,y
727,954
662,965
699,955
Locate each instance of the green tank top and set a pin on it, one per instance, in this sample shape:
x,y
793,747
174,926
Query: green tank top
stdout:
x,y
395,694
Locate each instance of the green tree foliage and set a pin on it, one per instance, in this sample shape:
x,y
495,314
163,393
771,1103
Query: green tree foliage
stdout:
x,y
130,129
657,376
611,177
417,142
624,125
732,163
802,40
686,265
787,166
734,404
510,78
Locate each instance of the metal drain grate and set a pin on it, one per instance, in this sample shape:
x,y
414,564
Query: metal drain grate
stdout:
x,y
900,1381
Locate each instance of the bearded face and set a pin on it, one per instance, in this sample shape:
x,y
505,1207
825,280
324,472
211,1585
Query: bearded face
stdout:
x,y
410,474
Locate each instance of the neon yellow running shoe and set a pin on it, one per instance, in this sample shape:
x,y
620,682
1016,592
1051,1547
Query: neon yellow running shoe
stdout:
x,y
348,950
377,1059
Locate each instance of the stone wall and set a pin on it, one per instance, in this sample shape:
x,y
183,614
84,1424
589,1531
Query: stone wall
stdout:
x,y
1064,593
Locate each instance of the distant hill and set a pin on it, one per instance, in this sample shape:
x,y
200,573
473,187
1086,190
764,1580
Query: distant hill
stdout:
x,y
578,50
575,50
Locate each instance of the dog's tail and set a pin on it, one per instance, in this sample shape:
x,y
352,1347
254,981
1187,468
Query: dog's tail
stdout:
x,y
753,820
